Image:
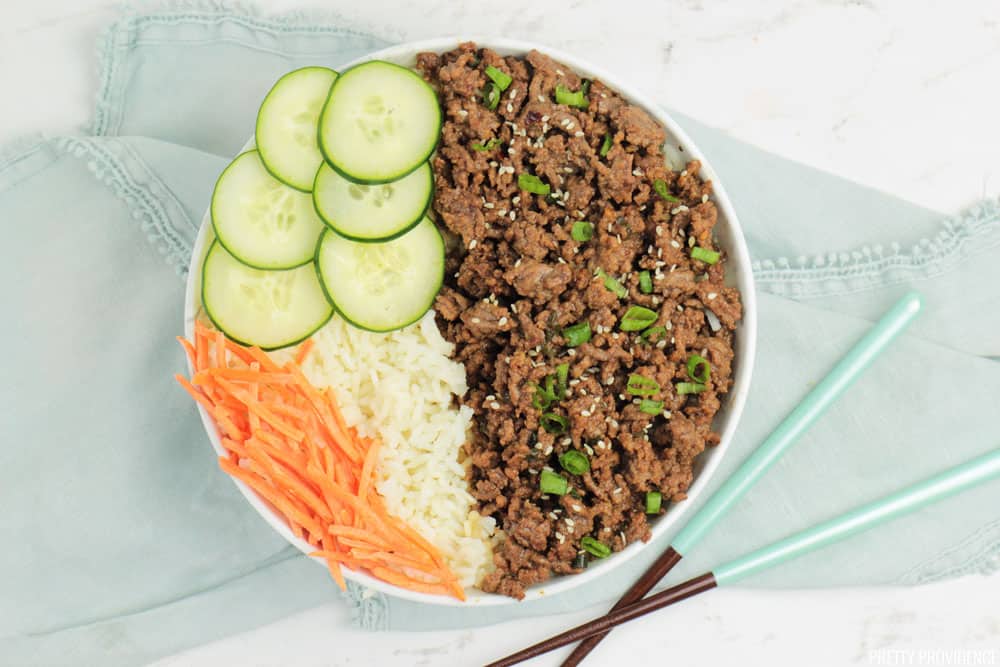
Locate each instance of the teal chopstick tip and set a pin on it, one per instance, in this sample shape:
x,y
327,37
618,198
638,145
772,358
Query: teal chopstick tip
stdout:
x,y
814,404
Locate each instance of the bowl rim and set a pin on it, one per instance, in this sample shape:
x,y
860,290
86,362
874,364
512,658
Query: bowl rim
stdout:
x,y
745,343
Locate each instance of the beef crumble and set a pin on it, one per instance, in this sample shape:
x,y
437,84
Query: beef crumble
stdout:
x,y
517,277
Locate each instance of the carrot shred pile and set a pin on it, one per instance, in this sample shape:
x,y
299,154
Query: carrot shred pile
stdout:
x,y
288,441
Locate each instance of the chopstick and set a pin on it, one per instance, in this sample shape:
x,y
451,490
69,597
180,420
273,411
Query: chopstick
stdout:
x,y
795,424
921,494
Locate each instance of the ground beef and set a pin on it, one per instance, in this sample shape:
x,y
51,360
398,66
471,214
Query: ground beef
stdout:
x,y
517,278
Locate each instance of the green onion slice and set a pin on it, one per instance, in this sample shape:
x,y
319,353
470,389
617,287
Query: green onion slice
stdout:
x,y
533,184
689,388
660,186
553,483
653,501
637,318
698,368
649,333
488,146
651,407
554,423
499,77
574,462
491,97
645,282
578,334
612,284
585,87
704,255
606,144
566,96
562,379
640,385
580,562
595,548
582,231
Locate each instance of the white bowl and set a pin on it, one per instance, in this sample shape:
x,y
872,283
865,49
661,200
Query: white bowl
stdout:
x,y
738,273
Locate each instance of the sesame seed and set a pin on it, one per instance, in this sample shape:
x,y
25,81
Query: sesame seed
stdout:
x,y
512,215
704,199
712,295
462,113
511,151
577,508
609,380
493,163
560,260
571,352
570,125
516,199
574,382
475,320
502,212
489,204
472,244
559,536
502,321
510,107
667,414
675,244
513,93
513,308
680,309
559,72
541,98
517,263
661,344
617,490
545,118
691,241
659,252
578,133
637,172
668,325
495,405
565,121
659,230
588,449
548,450
684,173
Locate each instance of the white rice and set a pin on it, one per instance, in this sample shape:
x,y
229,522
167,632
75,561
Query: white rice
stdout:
x,y
399,387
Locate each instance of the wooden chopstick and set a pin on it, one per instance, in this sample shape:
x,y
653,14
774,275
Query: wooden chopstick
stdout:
x,y
865,517
815,403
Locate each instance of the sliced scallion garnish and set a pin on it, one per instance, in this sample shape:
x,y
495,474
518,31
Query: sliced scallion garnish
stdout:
x,y
554,423
574,462
653,501
660,186
562,379
689,388
568,97
698,368
595,547
651,407
612,284
578,334
488,146
645,282
499,77
637,318
491,97
582,231
704,255
533,184
606,145
550,482
640,385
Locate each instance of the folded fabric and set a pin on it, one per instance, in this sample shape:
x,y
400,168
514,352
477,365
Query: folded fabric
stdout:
x,y
123,540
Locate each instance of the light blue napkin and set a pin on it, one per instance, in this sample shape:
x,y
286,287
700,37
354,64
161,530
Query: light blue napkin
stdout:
x,y
122,540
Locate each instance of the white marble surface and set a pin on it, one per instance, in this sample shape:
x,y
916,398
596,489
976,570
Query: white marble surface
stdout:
x,y
898,94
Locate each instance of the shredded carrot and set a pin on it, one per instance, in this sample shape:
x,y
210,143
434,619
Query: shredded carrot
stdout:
x,y
304,351
289,442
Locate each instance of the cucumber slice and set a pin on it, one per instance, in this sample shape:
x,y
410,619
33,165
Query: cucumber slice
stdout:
x,y
286,125
270,309
382,286
261,221
380,122
373,212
